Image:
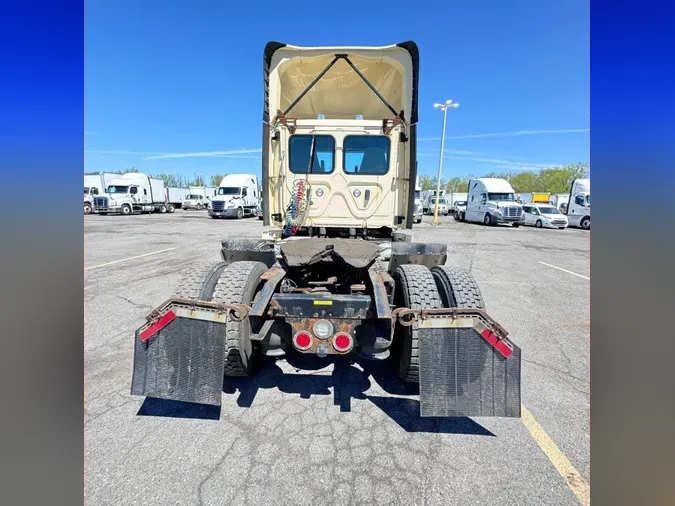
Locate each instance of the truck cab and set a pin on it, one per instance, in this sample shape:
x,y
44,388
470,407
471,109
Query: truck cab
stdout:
x,y
133,193
417,214
195,201
578,208
237,197
339,160
442,205
458,209
89,193
492,201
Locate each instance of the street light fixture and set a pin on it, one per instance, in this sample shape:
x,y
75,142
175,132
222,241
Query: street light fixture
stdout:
x,y
444,108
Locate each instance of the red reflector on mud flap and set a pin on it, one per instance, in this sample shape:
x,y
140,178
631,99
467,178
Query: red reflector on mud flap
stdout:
x,y
157,326
498,344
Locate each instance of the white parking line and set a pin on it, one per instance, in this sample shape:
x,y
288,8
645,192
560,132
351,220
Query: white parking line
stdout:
x,y
564,270
130,258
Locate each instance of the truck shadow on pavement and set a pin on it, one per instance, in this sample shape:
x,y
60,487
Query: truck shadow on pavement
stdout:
x,y
347,382
178,409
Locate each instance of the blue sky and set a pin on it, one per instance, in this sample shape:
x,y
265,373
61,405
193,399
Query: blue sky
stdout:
x,y
175,86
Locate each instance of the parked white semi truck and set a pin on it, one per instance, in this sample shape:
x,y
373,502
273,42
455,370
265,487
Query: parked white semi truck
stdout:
x,y
95,184
578,208
195,201
428,201
492,201
238,196
417,213
134,193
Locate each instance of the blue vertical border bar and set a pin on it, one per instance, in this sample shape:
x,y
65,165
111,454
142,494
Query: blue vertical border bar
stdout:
x,y
41,250
42,89
633,251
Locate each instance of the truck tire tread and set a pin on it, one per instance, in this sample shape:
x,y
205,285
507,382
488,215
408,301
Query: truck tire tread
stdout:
x,y
198,282
457,287
237,285
418,291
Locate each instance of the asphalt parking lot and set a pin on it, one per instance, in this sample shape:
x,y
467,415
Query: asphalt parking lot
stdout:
x,y
338,434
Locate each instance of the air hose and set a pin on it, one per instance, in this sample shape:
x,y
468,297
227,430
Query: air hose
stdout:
x,y
296,212
297,208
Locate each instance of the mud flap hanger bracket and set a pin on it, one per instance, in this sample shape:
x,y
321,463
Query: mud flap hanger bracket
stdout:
x,y
474,318
387,124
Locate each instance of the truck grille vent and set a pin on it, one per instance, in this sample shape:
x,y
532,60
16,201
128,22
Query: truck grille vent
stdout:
x,y
218,205
101,202
512,212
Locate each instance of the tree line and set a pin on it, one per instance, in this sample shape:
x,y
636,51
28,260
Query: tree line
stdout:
x,y
553,180
173,180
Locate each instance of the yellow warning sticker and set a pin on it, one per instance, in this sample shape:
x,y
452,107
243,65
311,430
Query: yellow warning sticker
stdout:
x,y
323,302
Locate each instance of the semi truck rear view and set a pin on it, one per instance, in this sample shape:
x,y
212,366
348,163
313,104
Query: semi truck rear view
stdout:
x,y
338,179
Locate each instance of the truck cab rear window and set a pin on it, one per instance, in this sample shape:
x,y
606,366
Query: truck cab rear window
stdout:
x,y
366,154
299,148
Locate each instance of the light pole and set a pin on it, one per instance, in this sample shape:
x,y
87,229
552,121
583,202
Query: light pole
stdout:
x,y
444,108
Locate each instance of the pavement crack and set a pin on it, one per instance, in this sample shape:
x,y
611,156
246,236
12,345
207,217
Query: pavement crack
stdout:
x,y
547,366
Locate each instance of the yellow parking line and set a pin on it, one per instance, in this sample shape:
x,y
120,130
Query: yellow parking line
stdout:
x,y
130,258
574,480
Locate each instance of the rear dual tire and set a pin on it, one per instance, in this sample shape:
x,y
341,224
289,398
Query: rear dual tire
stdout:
x,y
236,283
418,287
415,289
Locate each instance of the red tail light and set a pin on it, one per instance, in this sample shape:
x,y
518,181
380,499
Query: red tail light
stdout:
x,y
302,340
343,342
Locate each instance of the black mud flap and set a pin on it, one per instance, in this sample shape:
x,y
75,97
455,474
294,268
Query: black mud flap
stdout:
x,y
185,361
461,374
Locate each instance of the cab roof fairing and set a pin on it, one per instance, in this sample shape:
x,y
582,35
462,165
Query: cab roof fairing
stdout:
x,y
288,70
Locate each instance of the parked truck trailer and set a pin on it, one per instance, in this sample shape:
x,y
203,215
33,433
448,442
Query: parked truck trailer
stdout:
x,y
176,196
560,200
535,198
